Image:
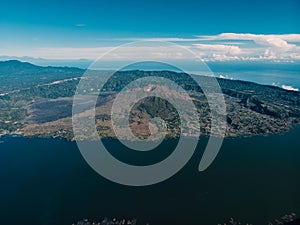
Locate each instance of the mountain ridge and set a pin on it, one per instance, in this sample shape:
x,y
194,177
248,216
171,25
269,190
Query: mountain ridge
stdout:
x,y
40,103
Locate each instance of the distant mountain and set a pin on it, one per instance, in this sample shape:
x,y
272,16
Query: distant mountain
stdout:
x,y
15,66
81,63
17,75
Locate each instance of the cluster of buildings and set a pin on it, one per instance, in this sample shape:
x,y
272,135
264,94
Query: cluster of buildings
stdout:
x,y
107,221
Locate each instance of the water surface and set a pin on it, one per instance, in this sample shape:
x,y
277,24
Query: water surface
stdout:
x,y
46,181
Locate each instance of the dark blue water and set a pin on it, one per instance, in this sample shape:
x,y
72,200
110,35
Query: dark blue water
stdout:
x,y
46,181
276,74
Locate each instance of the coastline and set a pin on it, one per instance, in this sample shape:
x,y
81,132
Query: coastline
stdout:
x,y
18,135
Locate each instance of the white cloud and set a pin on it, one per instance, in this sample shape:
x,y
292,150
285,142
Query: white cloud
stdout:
x,y
80,25
168,39
290,88
222,76
215,48
226,36
274,46
221,47
134,52
247,36
231,46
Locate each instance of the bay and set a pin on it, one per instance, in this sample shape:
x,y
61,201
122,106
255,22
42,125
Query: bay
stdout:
x,y
253,179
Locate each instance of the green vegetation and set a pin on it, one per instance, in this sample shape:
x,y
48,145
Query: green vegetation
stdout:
x,y
37,101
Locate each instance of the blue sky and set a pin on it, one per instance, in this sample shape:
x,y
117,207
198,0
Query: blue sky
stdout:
x,y
81,28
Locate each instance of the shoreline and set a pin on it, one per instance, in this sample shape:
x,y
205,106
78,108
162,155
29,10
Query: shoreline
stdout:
x,y
14,135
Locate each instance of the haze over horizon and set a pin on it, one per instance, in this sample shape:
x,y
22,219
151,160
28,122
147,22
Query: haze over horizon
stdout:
x,y
262,31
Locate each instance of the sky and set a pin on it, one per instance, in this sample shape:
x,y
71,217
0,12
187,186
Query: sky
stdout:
x,y
216,30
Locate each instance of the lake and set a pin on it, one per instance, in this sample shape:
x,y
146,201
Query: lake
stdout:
x,y
253,179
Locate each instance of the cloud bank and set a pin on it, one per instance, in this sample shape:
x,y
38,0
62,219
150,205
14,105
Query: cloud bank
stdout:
x,y
290,88
221,47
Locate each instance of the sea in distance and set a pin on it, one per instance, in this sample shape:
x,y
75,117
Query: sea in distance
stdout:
x,y
253,179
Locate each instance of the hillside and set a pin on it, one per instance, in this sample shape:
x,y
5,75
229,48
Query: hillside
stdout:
x,y
37,101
